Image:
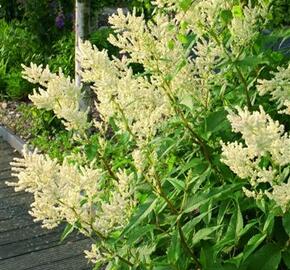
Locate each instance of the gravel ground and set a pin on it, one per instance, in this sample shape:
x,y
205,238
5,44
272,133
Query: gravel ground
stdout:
x,y
12,118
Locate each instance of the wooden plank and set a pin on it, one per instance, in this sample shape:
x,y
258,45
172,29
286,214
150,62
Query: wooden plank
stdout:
x,y
17,199
45,256
6,163
17,222
4,186
27,246
5,168
73,263
6,153
5,174
6,214
8,192
27,232
24,244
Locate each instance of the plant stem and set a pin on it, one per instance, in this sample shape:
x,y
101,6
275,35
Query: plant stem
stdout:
x,y
160,190
197,139
169,203
240,74
101,236
108,167
124,118
112,253
120,257
244,82
186,246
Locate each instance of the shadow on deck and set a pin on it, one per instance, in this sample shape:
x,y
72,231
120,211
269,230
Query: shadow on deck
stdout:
x,y
24,245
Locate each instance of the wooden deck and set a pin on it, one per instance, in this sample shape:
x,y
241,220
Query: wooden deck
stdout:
x,y
24,245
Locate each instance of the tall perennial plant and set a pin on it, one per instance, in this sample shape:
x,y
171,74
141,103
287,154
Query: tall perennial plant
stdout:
x,y
188,167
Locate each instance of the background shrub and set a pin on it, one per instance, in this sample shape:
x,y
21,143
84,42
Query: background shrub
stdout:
x,y
166,193
17,46
99,38
63,55
3,68
16,86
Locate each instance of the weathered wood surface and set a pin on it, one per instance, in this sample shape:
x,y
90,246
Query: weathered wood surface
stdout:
x,y
24,245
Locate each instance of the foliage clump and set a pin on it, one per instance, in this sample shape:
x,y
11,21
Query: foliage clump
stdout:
x,y
189,166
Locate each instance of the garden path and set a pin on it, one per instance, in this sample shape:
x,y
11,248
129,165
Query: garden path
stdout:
x,y
24,245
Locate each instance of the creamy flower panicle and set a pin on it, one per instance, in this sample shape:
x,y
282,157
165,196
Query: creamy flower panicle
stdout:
x,y
122,95
279,88
244,25
59,94
95,255
264,139
140,103
73,193
259,131
174,69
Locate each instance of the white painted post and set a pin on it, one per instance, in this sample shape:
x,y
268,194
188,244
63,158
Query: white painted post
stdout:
x,y
82,25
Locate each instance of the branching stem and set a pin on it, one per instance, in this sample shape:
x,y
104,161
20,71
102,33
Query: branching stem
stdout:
x,y
186,246
239,72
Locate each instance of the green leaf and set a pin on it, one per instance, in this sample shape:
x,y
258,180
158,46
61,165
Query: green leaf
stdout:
x,y
67,231
207,258
214,120
261,203
185,4
223,208
143,211
234,231
162,266
174,250
183,25
170,44
182,38
203,234
237,11
285,174
252,61
239,222
178,184
226,16
277,56
144,251
190,225
187,101
209,261
286,258
269,223
197,165
252,244
171,163
91,151
138,233
221,193
286,223
266,258
248,227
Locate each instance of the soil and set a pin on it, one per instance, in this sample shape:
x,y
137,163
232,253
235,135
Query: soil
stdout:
x,y
12,118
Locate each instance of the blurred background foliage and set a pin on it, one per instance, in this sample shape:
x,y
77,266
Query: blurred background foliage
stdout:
x,y
43,32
